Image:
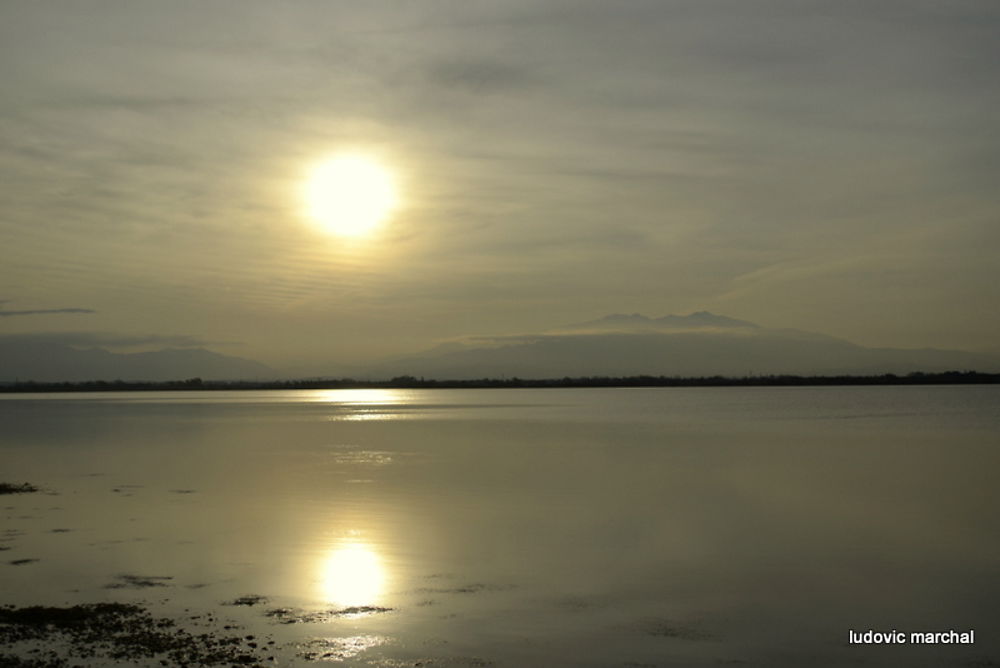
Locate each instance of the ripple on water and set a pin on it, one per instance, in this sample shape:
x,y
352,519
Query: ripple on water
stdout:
x,y
339,649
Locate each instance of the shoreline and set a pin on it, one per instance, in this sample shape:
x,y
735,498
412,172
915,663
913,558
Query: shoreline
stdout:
x,y
411,382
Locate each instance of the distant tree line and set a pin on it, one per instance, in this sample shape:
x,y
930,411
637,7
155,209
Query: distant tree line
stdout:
x,y
412,382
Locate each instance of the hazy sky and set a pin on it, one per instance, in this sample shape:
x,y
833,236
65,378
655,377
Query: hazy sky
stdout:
x,y
829,166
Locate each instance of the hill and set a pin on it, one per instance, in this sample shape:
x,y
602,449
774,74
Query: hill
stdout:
x,y
699,344
46,361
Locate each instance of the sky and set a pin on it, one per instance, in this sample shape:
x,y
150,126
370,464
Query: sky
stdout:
x,y
825,166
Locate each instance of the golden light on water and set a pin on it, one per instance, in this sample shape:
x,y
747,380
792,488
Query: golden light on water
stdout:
x,y
350,195
352,575
360,397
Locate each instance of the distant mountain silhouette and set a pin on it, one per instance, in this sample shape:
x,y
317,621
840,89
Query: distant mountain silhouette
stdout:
x,y
699,344
639,322
46,361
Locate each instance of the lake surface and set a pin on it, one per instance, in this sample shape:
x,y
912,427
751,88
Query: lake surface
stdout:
x,y
543,527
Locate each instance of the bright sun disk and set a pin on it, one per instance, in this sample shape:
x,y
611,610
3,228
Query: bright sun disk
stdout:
x,y
350,195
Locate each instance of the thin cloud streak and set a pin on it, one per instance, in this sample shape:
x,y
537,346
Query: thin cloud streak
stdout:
x,y
113,340
47,311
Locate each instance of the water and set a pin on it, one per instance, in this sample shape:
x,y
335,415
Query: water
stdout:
x,y
546,527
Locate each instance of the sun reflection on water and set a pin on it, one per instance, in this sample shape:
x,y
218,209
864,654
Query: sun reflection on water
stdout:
x,y
352,575
362,397
362,404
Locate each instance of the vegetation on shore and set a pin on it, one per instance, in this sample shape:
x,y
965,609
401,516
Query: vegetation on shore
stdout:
x,y
17,488
412,382
116,634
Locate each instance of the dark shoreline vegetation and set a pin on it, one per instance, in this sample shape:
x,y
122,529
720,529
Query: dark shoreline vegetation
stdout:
x,y
17,488
412,382
118,633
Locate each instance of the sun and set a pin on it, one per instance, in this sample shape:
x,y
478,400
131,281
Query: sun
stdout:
x,y
350,195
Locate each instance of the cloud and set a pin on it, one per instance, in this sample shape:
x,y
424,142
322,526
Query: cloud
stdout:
x,y
479,76
46,311
112,340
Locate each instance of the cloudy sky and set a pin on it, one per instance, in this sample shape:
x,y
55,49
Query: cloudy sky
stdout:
x,y
828,166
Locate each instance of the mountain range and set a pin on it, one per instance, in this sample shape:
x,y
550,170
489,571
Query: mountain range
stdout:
x,y
698,344
46,361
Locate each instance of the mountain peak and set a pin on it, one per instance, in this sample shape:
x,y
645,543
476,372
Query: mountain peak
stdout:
x,y
706,319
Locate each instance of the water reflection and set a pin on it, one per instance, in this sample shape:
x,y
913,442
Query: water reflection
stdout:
x,y
364,397
352,575
340,649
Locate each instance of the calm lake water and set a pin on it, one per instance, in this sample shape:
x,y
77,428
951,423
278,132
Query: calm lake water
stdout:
x,y
544,527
